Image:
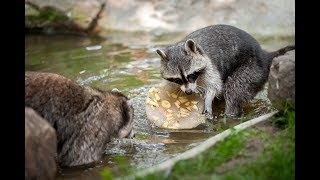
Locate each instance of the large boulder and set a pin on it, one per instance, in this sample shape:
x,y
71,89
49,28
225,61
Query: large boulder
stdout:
x,y
40,147
282,80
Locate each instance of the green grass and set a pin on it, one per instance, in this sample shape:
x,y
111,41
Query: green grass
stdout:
x,y
277,160
205,163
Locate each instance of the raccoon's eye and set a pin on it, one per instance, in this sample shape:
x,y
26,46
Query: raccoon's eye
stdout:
x,y
193,77
175,80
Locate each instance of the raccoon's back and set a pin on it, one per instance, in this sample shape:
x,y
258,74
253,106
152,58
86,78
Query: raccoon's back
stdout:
x,y
228,47
53,95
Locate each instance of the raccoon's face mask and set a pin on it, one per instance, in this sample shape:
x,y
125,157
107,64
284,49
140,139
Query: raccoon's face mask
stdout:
x,y
182,65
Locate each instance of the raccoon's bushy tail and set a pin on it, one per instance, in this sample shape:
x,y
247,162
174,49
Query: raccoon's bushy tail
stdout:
x,y
282,51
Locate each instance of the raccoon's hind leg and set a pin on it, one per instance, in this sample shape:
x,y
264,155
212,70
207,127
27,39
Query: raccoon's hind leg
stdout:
x,y
242,86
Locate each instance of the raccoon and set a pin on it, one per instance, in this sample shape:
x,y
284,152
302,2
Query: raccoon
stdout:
x,y
219,60
85,119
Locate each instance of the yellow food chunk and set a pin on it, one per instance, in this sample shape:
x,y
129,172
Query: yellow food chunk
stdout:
x,y
184,115
183,100
189,108
165,104
183,109
177,103
157,97
169,111
167,92
194,102
195,107
152,103
152,90
184,112
148,101
165,124
174,95
169,115
187,103
170,118
150,94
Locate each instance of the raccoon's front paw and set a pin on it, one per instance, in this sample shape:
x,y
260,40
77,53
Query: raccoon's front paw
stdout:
x,y
208,114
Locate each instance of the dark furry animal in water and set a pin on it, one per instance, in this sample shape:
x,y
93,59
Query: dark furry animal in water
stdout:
x,y
84,118
219,60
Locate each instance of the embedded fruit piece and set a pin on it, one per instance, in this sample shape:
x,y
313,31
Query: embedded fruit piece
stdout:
x,y
155,104
187,103
157,97
165,104
177,103
194,102
167,92
174,95
183,100
183,109
165,124
170,117
189,108
184,115
148,101
153,89
169,111
195,107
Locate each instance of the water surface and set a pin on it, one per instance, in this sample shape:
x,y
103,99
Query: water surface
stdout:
x,y
129,63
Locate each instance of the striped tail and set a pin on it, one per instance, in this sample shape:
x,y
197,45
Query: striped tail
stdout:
x,y
282,51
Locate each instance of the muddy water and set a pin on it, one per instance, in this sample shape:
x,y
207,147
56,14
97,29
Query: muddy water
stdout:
x,y
129,63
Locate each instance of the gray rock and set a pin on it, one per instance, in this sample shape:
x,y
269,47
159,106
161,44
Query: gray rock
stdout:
x,y
40,147
282,80
256,17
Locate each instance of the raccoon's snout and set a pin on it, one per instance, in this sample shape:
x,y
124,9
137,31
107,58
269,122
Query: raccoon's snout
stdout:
x,y
189,88
188,92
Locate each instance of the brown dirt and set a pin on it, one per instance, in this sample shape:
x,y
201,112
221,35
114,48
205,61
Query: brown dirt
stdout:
x,y
253,147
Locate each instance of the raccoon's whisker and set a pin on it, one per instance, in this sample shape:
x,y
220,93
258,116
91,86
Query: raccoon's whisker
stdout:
x,y
201,87
179,92
200,90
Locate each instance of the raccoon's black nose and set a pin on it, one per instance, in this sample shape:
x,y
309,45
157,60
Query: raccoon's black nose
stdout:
x,y
188,92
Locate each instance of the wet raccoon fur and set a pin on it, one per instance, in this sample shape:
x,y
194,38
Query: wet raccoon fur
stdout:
x,y
219,60
84,118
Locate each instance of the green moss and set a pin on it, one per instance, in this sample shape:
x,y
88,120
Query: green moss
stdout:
x,y
46,15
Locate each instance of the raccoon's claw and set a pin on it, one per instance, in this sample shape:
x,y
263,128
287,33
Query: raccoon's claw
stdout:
x,y
208,114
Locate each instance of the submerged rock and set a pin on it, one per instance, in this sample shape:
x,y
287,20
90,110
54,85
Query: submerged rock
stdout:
x,y
282,80
40,147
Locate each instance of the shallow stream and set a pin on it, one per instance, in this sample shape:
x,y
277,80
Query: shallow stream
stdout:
x,y
128,62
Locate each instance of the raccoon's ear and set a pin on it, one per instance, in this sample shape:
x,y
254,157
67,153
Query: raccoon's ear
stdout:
x,y
162,55
191,46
